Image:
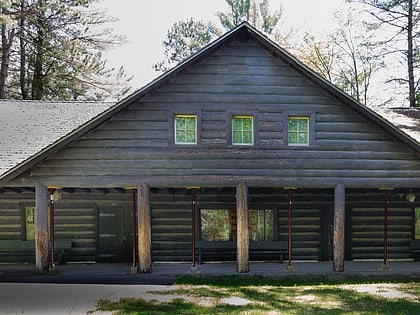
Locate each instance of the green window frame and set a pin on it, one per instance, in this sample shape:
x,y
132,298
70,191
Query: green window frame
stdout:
x,y
243,130
185,129
298,130
417,223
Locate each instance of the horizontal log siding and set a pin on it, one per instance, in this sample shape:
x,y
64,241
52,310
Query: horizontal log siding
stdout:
x,y
135,145
367,225
171,219
76,219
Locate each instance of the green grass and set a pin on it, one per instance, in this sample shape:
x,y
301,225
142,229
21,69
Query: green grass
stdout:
x,y
271,296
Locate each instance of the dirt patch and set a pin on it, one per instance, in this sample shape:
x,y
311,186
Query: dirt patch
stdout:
x,y
385,290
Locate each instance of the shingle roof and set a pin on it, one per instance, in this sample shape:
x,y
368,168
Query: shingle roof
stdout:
x,y
28,127
406,119
44,126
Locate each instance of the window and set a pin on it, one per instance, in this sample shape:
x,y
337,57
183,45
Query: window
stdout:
x,y
221,225
217,225
298,131
185,129
30,223
261,224
417,223
242,130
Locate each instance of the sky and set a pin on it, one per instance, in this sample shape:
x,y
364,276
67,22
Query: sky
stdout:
x,y
146,23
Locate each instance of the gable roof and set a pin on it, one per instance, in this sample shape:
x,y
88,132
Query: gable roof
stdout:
x,y
30,127
241,32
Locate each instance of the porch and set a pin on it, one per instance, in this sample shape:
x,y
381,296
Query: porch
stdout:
x,y
165,273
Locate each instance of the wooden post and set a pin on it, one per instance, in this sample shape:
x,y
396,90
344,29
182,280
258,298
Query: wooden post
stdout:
x,y
339,221
289,233
52,228
144,229
193,225
242,228
41,228
133,225
385,265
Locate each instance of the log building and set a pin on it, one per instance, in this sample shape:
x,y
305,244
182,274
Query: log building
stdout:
x,y
241,144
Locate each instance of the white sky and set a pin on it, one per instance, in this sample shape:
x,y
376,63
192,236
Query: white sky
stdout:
x,y
146,22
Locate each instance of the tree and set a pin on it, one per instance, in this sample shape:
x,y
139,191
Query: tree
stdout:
x,y
7,38
189,36
347,57
183,40
358,58
58,54
403,17
319,55
239,12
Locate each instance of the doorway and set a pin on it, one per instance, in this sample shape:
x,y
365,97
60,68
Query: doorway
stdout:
x,y
114,235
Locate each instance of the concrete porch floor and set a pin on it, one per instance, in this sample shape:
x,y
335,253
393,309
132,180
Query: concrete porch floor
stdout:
x,y
165,273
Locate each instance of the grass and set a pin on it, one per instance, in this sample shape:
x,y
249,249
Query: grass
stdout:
x,y
207,295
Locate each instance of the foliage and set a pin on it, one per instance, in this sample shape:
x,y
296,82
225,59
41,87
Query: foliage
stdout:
x,y
184,39
348,57
188,36
56,53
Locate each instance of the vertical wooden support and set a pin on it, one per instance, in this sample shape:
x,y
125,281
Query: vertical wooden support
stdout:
x,y
242,228
52,228
385,265
134,224
386,204
144,229
289,233
193,225
339,223
41,228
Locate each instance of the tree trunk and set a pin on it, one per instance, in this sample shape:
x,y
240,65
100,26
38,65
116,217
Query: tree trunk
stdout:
x,y
22,54
410,56
6,44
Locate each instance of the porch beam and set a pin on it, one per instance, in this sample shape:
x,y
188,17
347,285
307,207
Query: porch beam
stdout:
x,y
41,228
144,229
339,231
242,228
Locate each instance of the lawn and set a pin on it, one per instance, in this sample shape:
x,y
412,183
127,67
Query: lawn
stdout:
x,y
259,295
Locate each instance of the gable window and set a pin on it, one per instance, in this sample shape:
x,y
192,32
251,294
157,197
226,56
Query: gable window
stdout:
x,y
298,131
243,130
185,129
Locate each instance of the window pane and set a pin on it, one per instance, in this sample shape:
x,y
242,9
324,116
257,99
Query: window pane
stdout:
x,y
247,124
261,225
303,138
190,123
417,223
247,137
292,124
215,225
292,137
237,137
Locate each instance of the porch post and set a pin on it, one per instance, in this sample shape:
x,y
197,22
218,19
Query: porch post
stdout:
x,y
242,228
41,228
144,229
339,220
